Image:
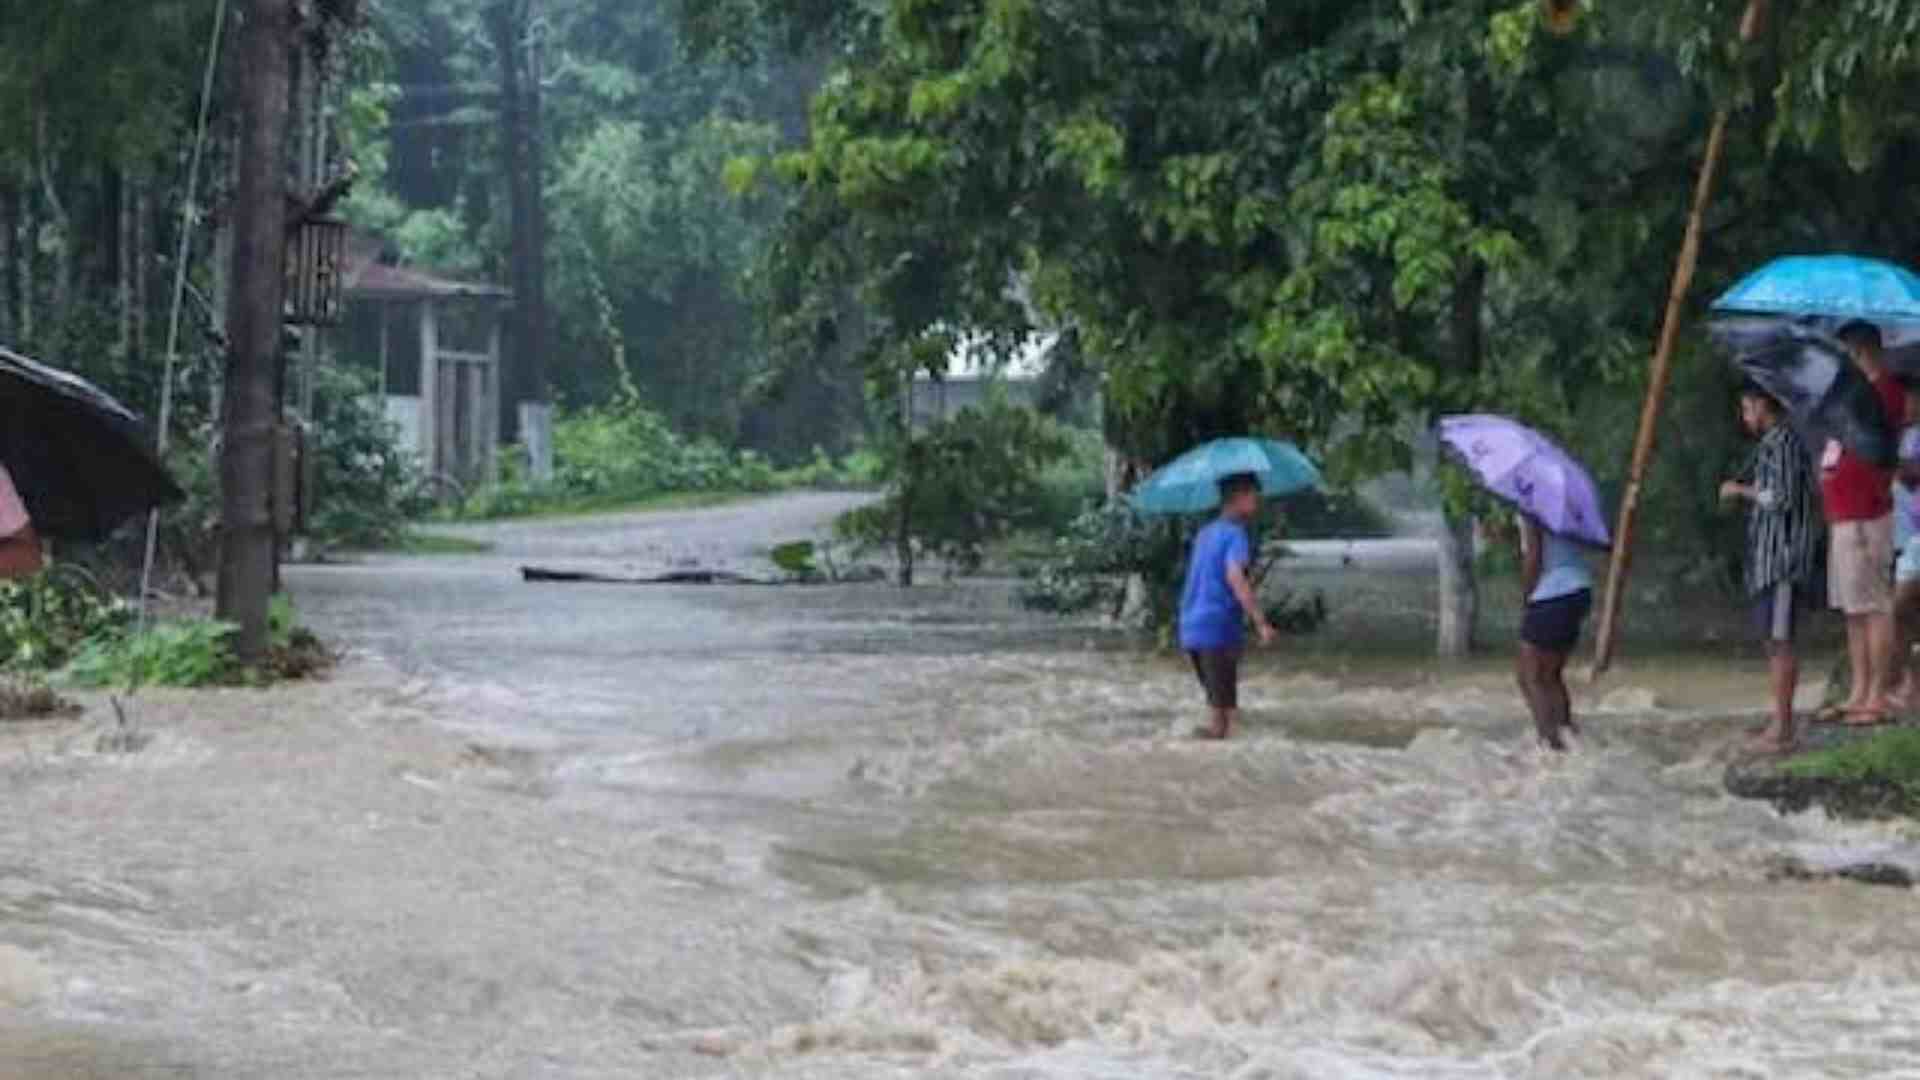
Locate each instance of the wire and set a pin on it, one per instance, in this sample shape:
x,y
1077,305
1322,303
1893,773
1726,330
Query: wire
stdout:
x,y
180,286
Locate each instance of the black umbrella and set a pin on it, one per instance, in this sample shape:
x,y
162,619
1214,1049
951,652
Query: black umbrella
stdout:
x,y
82,462
1812,374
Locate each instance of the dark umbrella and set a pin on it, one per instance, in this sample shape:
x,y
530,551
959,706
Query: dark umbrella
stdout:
x,y
82,462
1814,377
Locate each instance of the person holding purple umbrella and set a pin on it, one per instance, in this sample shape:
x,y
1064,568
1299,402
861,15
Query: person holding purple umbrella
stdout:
x,y
1559,591
1559,512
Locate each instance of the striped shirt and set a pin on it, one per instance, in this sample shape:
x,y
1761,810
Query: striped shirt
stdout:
x,y
1783,527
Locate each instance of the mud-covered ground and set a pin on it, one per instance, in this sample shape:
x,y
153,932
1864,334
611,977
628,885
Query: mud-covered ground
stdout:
x,y
602,831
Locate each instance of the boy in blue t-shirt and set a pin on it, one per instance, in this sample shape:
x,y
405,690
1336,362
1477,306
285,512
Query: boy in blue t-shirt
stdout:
x,y
1216,595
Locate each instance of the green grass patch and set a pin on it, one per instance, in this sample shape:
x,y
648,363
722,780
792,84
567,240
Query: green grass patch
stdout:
x,y
1891,757
416,542
520,506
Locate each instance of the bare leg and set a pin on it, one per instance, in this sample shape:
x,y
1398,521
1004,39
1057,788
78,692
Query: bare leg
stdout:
x,y
1783,670
1553,690
1880,642
1532,670
1906,616
1860,661
1220,724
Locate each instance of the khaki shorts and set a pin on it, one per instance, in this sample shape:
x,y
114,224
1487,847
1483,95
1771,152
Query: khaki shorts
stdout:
x,y
1860,567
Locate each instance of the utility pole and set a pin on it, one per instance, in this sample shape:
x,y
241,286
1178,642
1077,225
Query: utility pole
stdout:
x,y
516,30
1620,564
258,280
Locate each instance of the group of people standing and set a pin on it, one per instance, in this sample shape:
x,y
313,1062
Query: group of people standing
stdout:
x,y
1872,542
1867,514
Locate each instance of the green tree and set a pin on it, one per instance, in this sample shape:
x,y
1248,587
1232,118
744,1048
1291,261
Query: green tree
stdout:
x,y
1325,220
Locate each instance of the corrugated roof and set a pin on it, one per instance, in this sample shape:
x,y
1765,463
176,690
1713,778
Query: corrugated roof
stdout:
x,y
368,278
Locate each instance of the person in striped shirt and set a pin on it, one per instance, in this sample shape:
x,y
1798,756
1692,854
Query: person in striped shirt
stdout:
x,y
1783,542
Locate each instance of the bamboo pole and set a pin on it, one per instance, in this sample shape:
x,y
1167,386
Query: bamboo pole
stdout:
x,y
1620,564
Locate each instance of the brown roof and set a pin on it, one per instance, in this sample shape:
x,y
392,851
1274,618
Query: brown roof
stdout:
x,y
368,278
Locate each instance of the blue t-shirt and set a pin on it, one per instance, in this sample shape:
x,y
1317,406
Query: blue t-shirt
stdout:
x,y
1209,614
1563,569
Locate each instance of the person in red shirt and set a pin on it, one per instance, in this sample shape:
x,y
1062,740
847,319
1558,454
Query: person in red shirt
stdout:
x,y
1858,497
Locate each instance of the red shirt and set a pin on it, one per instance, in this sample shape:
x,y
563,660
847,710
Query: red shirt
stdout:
x,y
1853,488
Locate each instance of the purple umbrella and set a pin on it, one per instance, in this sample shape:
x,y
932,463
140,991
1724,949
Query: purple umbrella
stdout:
x,y
1531,471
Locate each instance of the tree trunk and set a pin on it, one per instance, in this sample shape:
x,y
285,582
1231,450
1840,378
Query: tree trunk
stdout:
x,y
9,267
62,283
903,534
253,323
28,255
510,23
142,266
1459,592
123,264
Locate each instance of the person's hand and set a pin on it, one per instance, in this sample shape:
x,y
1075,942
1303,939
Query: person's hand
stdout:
x,y
1265,630
1731,490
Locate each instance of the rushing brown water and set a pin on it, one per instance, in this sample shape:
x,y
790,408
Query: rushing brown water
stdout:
x,y
841,833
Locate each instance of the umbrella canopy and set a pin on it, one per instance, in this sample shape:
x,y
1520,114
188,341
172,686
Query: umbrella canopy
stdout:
x,y
82,462
1815,379
1835,286
1190,484
1523,467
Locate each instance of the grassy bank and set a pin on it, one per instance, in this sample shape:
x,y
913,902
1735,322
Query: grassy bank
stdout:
x,y
1890,757
1849,774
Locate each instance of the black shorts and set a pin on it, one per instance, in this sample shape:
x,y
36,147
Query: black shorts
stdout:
x,y
1776,614
1219,673
1554,625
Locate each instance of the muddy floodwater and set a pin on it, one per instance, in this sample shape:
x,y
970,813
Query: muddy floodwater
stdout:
x,y
594,831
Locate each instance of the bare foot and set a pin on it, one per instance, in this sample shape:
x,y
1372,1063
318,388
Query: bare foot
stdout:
x,y
1210,732
1772,742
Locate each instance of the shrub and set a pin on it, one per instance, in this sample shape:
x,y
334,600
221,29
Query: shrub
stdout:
x,y
970,480
366,488
46,619
186,652
623,451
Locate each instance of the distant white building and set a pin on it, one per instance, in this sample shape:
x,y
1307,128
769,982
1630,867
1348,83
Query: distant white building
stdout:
x,y
971,371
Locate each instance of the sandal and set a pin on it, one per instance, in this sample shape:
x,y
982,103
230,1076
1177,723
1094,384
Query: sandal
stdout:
x,y
1865,718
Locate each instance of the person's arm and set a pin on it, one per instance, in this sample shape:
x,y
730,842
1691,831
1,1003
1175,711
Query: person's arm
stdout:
x,y
1530,555
21,554
1763,487
1242,587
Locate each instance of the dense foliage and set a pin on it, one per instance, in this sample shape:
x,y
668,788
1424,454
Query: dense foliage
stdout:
x,y
47,619
625,452
968,480
648,253
1328,220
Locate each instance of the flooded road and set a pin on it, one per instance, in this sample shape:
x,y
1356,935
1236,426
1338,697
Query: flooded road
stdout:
x,y
600,831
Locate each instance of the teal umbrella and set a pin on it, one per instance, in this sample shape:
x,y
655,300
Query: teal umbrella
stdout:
x,y
1190,484
1833,286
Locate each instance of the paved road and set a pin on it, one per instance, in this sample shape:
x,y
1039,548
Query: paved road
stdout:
x,y
547,663
555,662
